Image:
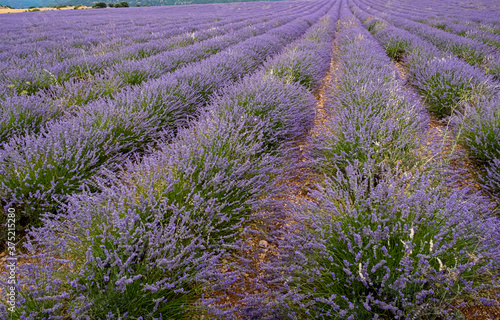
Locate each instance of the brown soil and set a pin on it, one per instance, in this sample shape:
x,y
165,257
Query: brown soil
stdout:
x,y
481,312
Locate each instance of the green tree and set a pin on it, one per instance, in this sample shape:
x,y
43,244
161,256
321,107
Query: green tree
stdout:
x,y
99,5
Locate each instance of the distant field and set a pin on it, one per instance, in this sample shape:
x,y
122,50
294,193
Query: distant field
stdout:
x,y
89,3
8,10
331,159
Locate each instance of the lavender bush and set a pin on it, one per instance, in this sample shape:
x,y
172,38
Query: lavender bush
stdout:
x,y
479,131
445,82
18,116
286,109
481,123
37,171
306,62
74,93
402,247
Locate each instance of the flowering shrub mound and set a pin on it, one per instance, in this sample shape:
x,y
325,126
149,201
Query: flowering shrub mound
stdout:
x,y
399,246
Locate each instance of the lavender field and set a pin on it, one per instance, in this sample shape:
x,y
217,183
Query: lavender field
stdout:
x,y
327,159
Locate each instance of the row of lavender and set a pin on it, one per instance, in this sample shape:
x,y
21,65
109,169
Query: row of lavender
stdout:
x,y
451,87
25,114
28,113
72,81
169,226
478,23
100,31
472,51
385,236
470,23
445,19
157,237
42,70
38,171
